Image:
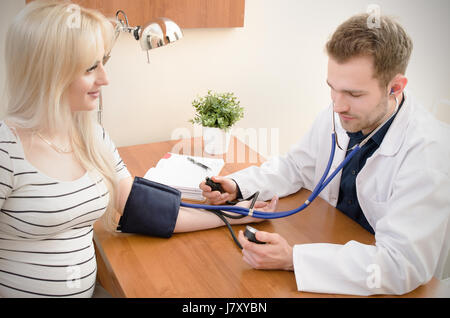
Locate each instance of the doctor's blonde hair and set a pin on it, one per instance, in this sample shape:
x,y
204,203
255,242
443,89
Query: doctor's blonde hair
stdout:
x,y
388,44
46,50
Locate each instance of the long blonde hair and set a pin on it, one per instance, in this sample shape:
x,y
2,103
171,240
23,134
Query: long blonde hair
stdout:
x,y
49,45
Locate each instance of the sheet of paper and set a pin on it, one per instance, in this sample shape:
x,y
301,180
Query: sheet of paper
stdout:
x,y
177,171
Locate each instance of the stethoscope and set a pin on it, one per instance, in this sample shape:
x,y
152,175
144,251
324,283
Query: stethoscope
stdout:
x,y
324,181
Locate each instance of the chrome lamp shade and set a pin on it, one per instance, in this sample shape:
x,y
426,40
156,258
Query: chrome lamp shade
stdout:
x,y
159,32
156,33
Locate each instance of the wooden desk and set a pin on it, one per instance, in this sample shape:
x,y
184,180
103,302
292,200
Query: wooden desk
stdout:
x,y
207,263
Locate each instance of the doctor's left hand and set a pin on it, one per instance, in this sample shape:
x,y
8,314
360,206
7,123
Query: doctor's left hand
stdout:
x,y
275,254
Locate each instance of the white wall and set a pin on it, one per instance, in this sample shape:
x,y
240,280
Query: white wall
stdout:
x,y
275,64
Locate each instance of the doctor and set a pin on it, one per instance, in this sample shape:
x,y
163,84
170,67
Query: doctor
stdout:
x,y
397,187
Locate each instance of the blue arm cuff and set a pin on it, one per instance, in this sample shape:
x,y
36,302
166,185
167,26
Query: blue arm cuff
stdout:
x,y
151,209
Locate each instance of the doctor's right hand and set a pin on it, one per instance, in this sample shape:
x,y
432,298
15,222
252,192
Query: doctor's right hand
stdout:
x,y
215,197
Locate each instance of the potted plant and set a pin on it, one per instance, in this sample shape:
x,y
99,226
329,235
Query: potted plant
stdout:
x,y
217,113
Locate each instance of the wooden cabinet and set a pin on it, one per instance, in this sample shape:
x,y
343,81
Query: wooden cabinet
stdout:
x,y
186,13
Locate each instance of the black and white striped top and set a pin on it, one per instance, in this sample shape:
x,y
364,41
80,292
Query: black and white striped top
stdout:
x,y
46,225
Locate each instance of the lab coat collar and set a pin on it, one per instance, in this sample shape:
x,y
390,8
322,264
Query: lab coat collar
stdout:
x,y
379,136
394,136
396,133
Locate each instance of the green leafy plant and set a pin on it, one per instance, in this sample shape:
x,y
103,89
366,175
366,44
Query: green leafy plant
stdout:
x,y
220,110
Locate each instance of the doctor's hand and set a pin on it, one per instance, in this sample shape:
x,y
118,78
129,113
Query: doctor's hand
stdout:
x,y
275,254
215,197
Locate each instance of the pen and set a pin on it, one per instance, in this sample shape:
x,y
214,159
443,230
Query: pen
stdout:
x,y
198,163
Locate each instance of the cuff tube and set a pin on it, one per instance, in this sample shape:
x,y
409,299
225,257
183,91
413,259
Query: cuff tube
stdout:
x,y
151,209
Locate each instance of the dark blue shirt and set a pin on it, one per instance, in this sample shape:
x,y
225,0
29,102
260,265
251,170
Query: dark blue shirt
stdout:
x,y
348,201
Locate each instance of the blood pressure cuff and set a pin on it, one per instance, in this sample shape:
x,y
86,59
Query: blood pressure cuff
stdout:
x,y
151,209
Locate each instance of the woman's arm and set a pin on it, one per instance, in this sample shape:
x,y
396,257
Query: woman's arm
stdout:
x,y
123,193
198,219
195,219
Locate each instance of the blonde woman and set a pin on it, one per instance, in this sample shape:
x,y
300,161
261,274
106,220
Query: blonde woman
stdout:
x,y
59,170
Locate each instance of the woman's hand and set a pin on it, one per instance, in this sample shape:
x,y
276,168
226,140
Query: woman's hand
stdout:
x,y
260,206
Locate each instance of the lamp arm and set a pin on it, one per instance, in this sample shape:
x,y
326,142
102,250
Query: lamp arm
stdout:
x,y
123,26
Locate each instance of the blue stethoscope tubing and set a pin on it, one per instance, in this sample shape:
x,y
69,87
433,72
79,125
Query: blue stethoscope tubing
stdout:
x,y
324,181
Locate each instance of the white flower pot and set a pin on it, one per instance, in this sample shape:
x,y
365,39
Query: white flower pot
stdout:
x,y
216,140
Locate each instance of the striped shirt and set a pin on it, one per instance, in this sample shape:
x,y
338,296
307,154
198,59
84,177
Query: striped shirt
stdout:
x,y
46,225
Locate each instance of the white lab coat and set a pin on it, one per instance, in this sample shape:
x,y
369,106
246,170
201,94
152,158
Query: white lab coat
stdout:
x,y
403,190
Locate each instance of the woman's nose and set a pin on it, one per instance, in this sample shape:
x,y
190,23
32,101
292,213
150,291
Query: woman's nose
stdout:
x,y
102,78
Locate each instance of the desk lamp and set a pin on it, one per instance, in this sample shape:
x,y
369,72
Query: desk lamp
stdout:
x,y
156,33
